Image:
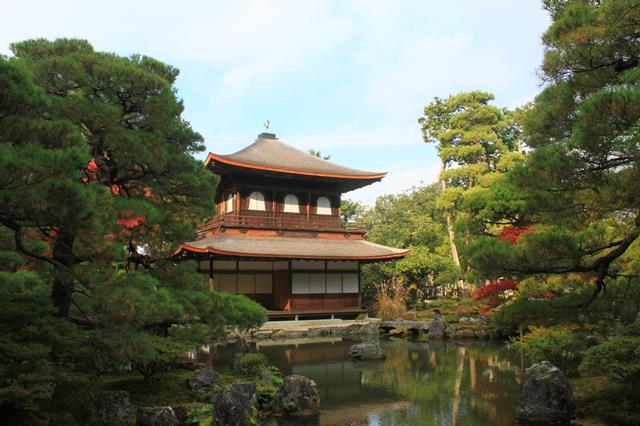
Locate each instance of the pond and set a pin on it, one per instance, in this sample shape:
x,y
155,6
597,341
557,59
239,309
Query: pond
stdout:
x,y
419,383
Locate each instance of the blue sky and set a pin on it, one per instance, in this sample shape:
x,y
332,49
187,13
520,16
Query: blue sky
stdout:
x,y
349,78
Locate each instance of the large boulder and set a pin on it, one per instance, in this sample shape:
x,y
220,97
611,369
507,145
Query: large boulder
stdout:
x,y
546,396
366,351
204,380
437,327
236,405
297,397
157,416
113,408
370,331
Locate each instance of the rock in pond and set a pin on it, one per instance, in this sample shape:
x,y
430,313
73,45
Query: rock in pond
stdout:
x,y
546,396
204,380
298,397
157,416
236,405
114,408
366,351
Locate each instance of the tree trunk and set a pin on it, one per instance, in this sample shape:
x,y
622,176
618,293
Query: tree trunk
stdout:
x,y
452,235
62,276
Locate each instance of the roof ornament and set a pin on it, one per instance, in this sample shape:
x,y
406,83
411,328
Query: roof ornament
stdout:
x,y
266,124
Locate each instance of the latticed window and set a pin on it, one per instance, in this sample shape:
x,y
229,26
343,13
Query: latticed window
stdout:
x,y
291,204
256,201
323,206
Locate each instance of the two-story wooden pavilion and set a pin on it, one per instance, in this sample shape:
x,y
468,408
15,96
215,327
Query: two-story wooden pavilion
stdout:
x,y
278,237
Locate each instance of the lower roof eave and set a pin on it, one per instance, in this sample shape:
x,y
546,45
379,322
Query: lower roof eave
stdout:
x,y
186,250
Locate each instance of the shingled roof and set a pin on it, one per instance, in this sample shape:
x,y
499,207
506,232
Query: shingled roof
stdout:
x,y
270,154
291,248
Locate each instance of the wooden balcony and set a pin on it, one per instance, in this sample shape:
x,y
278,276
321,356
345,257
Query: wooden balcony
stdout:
x,y
294,222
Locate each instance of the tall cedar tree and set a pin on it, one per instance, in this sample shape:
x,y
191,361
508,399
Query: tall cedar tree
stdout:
x,y
580,187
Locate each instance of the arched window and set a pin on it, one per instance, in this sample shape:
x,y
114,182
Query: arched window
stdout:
x,y
229,207
323,206
256,201
291,204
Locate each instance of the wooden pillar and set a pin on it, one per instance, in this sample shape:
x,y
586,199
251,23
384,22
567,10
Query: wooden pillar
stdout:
x,y
308,208
236,200
211,286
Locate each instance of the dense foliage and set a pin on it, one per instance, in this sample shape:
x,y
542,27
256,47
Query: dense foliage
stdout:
x,y
95,158
559,345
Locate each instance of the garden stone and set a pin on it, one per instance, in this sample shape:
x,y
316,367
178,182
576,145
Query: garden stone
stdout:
x,y
370,331
114,408
450,332
298,397
546,396
265,376
465,333
262,334
241,346
157,416
366,351
203,380
183,412
437,327
236,405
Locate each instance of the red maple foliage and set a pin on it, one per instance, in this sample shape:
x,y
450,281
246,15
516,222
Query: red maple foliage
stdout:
x,y
130,221
513,234
494,287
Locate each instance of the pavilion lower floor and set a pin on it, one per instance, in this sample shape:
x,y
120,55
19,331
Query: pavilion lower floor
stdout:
x,y
288,289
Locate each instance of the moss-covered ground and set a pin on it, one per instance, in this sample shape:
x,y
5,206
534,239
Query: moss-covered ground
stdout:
x,y
76,393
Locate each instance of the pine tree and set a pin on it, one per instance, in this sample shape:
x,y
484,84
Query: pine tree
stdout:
x,y
471,137
579,187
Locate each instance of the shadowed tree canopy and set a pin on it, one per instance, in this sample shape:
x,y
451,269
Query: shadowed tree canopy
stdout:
x,y
95,155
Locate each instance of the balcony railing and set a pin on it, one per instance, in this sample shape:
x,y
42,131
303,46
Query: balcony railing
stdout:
x,y
285,222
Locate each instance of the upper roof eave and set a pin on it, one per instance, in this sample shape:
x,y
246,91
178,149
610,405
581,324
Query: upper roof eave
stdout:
x,y
215,157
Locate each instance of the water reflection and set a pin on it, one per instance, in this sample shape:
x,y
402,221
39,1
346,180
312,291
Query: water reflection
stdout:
x,y
419,383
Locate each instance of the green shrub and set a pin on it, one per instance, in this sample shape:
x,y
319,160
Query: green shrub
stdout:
x,y
250,363
618,359
267,387
633,329
200,415
559,345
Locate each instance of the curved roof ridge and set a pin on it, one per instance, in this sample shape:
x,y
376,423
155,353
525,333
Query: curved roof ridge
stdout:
x,y
269,153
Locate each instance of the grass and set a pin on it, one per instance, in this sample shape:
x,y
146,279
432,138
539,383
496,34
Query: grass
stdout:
x,y
391,299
